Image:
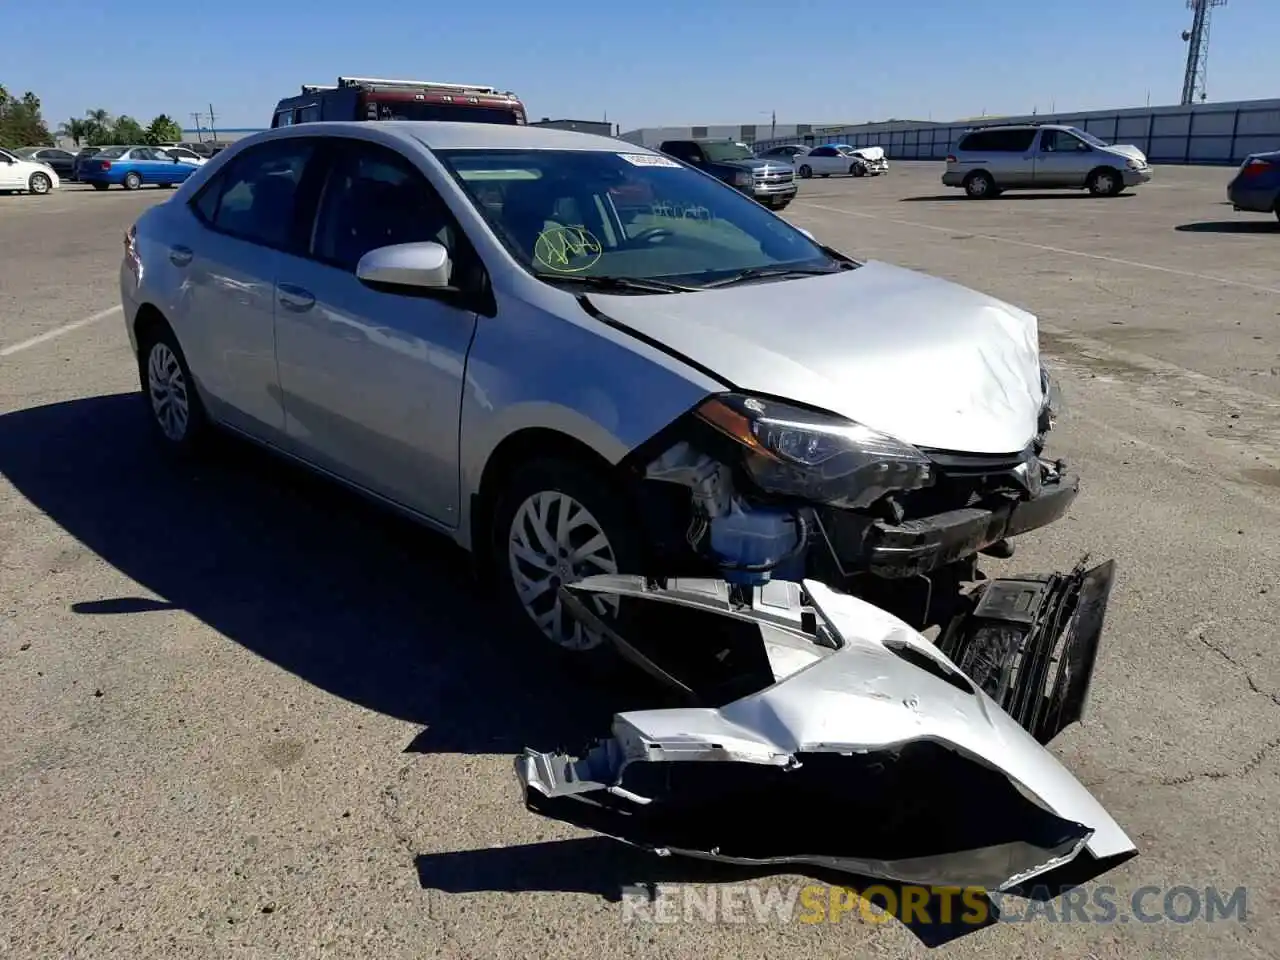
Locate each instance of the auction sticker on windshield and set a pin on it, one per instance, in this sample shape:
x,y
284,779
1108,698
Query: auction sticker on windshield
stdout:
x,y
648,160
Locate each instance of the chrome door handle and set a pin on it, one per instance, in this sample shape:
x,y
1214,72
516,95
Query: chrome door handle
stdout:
x,y
180,256
295,298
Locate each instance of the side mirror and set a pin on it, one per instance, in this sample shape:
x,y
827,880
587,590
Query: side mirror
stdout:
x,y
424,266
807,234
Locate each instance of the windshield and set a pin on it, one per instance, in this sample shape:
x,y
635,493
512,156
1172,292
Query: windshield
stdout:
x,y
458,113
848,151
589,214
718,151
1088,138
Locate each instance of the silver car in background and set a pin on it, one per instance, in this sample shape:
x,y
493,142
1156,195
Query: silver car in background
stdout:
x,y
990,160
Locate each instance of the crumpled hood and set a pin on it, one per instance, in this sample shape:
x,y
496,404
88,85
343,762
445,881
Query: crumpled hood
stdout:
x,y
922,359
870,153
1130,151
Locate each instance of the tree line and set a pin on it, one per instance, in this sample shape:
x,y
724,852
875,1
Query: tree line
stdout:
x,y
23,125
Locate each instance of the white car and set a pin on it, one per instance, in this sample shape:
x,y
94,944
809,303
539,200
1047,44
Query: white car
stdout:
x,y
29,175
183,155
829,158
877,162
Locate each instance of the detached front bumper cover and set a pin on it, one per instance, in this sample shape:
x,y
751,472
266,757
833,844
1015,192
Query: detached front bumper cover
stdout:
x,y
843,739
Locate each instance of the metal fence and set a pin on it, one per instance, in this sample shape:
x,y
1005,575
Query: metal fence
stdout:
x,y
1208,133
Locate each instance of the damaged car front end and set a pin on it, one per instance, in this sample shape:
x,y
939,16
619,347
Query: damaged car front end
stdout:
x,y
820,730
779,489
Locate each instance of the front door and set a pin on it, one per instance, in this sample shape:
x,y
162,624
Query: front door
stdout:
x,y
1062,160
11,174
372,380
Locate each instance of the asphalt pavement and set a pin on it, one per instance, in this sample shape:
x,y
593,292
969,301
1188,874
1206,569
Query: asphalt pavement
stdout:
x,y
247,715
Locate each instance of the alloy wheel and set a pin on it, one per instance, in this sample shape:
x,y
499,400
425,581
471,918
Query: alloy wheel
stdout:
x,y
167,388
555,540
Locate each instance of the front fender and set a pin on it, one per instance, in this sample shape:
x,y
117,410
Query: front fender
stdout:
x,y
545,362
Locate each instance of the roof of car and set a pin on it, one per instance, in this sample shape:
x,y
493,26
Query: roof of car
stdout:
x,y
447,135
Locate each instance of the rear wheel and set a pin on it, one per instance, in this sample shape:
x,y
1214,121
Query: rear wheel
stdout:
x,y
176,413
559,521
101,186
132,181
979,185
40,184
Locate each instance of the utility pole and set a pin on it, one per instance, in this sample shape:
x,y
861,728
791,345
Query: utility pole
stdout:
x,y
196,115
213,130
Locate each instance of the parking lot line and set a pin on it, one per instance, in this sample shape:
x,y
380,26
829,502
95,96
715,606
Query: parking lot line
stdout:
x,y
57,332
1048,249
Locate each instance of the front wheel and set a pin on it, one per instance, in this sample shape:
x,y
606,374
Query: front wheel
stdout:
x,y
857,170
559,521
1105,182
805,171
40,184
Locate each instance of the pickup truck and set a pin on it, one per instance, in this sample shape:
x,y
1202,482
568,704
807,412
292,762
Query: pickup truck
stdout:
x,y
771,182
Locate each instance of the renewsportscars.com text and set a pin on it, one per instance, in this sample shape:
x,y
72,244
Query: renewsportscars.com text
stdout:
x,y
915,905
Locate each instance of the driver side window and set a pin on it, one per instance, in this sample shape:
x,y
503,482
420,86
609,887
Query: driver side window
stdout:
x,y
373,198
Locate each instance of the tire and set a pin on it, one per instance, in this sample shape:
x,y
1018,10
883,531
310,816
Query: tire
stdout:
x,y
40,184
857,170
780,204
132,181
805,171
979,185
552,485
101,186
173,404
1105,182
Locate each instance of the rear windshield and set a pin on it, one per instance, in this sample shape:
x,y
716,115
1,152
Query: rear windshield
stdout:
x,y
726,151
111,152
459,113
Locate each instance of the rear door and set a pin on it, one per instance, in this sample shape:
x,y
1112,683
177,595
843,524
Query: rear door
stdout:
x,y
244,217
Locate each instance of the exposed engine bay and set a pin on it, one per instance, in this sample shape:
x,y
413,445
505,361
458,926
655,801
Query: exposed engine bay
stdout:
x,y
822,730
776,490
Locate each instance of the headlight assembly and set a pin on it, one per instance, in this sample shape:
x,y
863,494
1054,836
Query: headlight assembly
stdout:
x,y
819,457
743,179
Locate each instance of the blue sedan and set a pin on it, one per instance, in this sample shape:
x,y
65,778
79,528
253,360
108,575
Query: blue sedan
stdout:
x,y
1256,185
133,167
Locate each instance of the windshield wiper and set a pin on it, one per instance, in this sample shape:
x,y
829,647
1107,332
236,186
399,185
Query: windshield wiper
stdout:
x,y
761,273
639,284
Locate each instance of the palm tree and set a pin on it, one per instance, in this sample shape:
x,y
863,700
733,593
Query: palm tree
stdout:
x,y
75,130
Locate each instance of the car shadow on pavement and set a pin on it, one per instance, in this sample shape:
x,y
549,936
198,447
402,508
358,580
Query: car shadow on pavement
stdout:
x,y
1013,195
344,594
644,883
1230,226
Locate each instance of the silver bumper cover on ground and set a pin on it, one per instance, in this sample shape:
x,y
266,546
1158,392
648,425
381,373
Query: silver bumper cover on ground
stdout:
x,y
841,738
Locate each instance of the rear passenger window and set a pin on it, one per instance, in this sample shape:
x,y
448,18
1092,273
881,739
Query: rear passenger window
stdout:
x,y
309,113
253,198
999,141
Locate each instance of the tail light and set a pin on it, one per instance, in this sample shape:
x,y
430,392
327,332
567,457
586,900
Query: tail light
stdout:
x,y
1255,166
104,164
951,158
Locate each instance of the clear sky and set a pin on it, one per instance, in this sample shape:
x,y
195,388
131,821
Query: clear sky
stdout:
x,y
642,63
